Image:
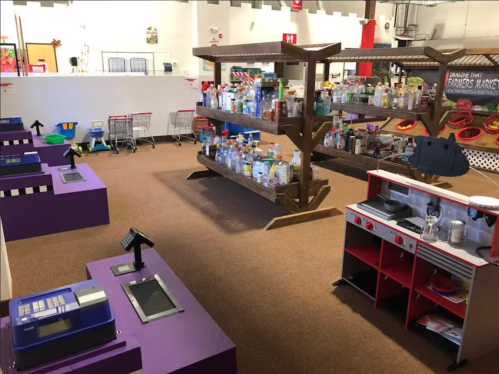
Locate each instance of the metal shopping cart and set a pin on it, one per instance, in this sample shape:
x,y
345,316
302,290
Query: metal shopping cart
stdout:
x,y
121,131
141,123
181,121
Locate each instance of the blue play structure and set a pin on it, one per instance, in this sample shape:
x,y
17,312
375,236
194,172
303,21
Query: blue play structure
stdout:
x,y
97,134
236,129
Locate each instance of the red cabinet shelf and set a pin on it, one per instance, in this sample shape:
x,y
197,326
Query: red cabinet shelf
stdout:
x,y
369,254
401,274
457,309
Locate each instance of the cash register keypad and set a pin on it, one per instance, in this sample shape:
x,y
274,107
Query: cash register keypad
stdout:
x,y
38,306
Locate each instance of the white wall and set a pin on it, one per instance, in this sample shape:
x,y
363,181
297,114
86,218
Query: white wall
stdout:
x,y
54,99
117,26
6,279
462,24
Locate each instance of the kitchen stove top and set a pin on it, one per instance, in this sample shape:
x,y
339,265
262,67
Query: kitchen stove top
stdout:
x,y
410,226
376,207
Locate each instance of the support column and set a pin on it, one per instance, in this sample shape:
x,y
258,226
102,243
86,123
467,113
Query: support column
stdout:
x,y
308,110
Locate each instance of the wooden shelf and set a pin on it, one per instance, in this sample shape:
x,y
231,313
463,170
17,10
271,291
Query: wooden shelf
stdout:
x,y
369,162
374,111
270,127
369,254
291,189
457,309
485,143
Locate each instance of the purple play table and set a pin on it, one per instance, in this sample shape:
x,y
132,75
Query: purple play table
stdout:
x,y
17,142
39,204
121,356
186,343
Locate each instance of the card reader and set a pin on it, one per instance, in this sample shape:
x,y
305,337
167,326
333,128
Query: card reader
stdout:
x,y
60,322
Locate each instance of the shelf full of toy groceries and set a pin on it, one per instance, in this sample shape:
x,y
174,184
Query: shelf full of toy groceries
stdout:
x,y
244,162
268,103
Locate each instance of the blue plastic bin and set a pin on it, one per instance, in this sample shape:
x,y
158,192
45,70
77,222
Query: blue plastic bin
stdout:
x,y
67,129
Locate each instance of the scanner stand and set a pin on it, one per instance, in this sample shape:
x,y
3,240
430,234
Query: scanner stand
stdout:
x,y
134,239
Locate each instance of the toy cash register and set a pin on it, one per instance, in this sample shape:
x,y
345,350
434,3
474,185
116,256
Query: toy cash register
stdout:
x,y
28,162
11,124
60,322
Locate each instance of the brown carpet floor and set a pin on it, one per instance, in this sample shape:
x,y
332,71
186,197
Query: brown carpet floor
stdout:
x,y
269,291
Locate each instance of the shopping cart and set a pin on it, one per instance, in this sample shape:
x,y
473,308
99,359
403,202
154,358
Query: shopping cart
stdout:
x,y
121,131
142,122
181,121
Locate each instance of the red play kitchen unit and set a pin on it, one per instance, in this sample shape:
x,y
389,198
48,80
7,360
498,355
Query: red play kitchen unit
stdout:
x,y
430,257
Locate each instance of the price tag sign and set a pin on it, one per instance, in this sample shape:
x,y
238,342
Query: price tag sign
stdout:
x,y
297,5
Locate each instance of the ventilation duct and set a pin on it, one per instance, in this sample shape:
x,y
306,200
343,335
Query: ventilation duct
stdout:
x,y
320,5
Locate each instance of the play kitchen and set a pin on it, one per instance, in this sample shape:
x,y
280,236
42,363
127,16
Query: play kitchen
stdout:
x,y
430,257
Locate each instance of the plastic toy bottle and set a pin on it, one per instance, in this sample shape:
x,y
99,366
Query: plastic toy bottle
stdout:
x,y
318,104
239,163
327,102
214,99
246,109
277,150
219,155
296,163
328,140
271,150
258,87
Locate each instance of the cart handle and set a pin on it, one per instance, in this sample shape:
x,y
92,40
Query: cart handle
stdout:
x,y
141,113
99,123
122,116
183,111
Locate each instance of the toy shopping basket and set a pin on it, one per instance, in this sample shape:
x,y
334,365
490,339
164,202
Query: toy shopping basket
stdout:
x,y
181,121
121,131
141,123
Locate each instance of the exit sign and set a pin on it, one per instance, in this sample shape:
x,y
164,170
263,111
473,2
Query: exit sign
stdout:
x,y
289,38
297,5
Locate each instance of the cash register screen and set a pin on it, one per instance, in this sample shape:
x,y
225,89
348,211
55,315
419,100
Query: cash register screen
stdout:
x,y
53,328
12,160
151,297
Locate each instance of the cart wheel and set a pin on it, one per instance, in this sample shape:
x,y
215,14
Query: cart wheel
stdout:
x,y
195,142
133,150
179,144
153,146
117,152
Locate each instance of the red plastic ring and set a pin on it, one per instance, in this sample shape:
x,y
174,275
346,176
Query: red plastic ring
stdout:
x,y
408,127
477,130
497,139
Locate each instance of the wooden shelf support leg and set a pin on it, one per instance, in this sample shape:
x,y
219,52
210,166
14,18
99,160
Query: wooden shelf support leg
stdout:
x,y
294,134
288,203
319,198
321,133
294,219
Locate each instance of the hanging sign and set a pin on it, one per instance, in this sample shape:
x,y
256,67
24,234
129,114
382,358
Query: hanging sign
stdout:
x,y
297,5
480,87
289,38
152,35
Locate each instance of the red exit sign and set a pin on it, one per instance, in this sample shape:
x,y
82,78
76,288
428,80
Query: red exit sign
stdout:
x,y
289,38
297,5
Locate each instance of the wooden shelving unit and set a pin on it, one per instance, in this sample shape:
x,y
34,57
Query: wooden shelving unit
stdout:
x,y
305,132
433,119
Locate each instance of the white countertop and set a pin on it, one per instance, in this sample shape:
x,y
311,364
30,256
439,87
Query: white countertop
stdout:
x,y
466,253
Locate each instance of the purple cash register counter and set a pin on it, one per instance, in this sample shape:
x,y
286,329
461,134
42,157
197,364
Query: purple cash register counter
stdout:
x,y
37,204
189,342
18,142
185,343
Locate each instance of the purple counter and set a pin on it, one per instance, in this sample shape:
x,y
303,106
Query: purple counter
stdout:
x,y
121,356
186,343
40,203
16,142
